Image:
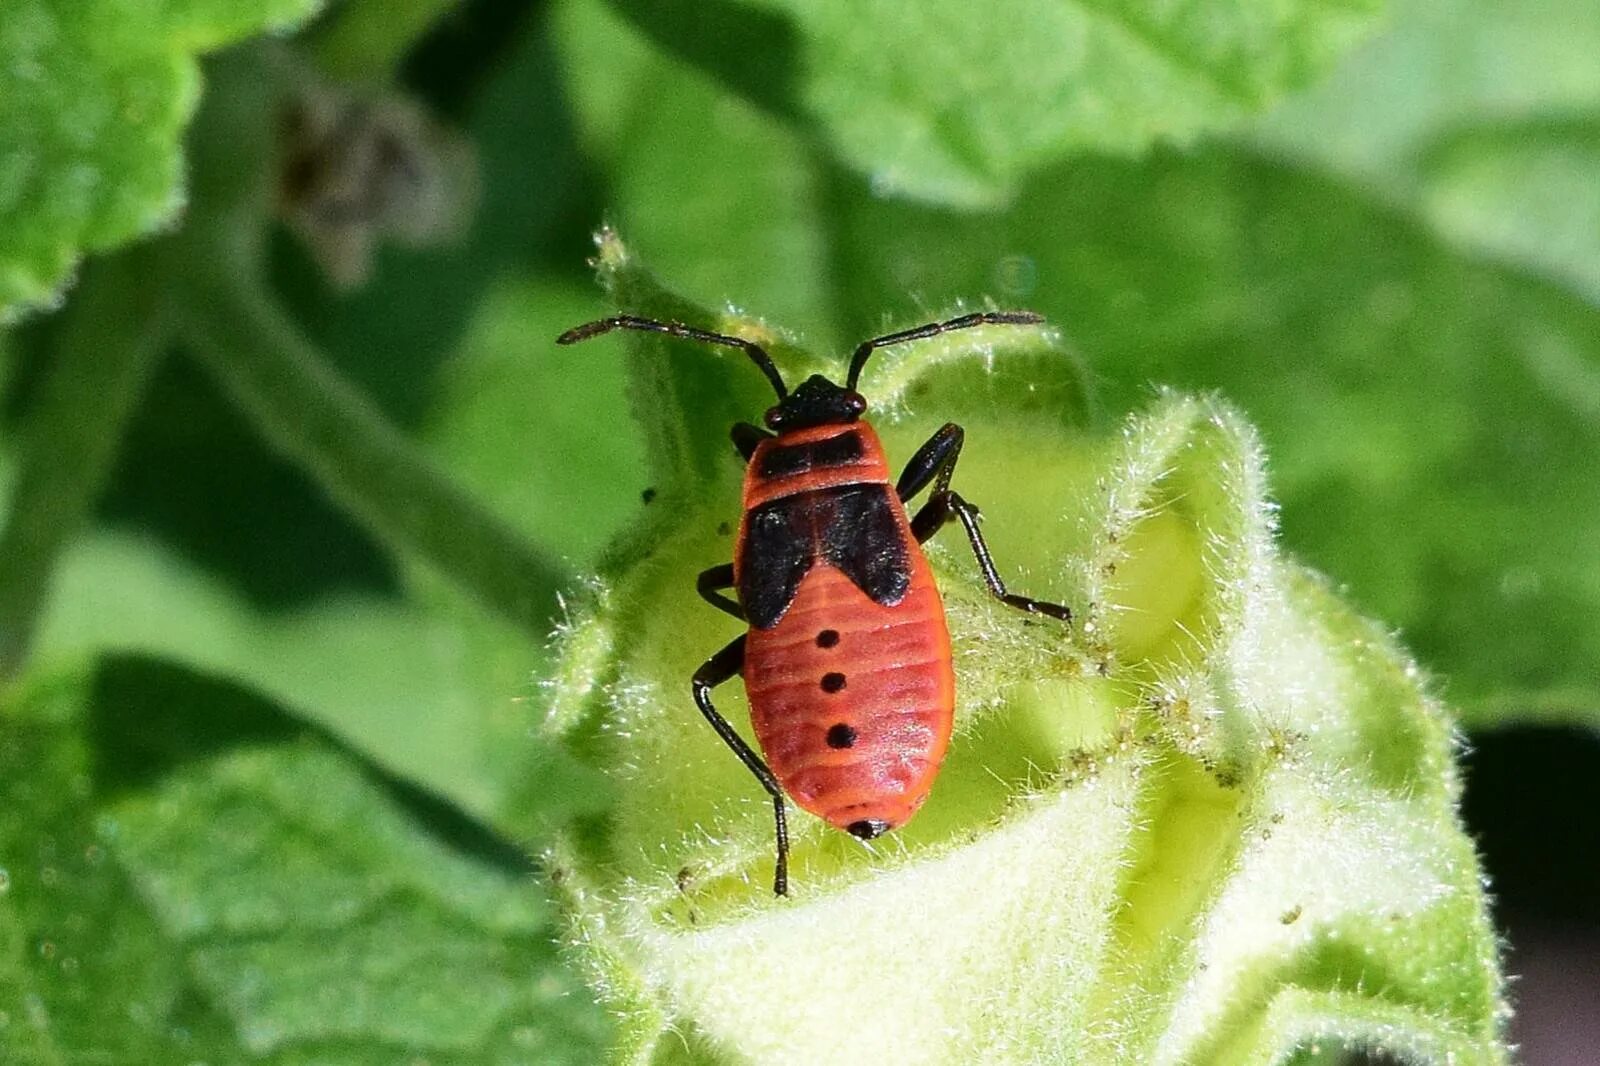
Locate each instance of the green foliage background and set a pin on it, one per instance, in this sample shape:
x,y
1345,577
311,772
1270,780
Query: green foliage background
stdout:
x,y
279,562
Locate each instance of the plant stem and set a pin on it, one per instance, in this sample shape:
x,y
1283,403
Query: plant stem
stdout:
x,y
98,367
302,406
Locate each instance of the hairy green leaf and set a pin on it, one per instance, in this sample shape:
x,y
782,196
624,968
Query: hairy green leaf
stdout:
x,y
93,100
1214,821
265,900
955,104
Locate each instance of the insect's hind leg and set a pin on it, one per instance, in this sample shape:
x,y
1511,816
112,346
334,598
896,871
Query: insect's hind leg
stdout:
x,y
935,462
722,666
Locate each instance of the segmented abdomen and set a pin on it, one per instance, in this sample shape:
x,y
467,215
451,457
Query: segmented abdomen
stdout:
x,y
852,701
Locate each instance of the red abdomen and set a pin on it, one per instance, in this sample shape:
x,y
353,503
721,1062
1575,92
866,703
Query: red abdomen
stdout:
x,y
851,700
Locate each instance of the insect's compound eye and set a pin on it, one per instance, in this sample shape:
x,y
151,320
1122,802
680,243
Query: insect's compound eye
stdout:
x,y
856,402
773,418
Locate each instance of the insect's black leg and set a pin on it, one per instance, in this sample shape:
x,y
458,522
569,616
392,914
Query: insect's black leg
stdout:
x,y
722,666
746,437
946,505
935,461
937,456
710,584
858,358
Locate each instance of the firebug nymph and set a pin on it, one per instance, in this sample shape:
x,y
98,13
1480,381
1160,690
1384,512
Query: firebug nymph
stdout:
x,y
847,659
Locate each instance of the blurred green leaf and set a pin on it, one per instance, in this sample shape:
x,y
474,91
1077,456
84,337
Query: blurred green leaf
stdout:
x,y
93,100
316,419
268,900
1526,192
541,433
430,689
367,41
699,178
98,365
1396,275
955,104
1484,121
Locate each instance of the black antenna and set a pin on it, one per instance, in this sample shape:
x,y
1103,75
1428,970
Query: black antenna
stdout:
x,y
933,329
757,354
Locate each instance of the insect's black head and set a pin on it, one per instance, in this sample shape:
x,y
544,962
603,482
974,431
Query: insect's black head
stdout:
x,y
817,402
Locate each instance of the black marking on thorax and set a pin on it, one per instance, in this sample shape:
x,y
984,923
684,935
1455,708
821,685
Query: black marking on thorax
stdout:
x,y
785,460
851,527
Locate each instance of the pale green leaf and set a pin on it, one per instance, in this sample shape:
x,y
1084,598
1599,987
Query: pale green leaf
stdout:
x,y
428,688
1527,193
955,104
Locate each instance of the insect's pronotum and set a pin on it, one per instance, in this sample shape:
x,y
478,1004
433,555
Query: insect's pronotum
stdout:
x,y
847,659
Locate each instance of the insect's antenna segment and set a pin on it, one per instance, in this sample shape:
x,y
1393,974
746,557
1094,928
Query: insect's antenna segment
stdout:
x,y
757,354
933,329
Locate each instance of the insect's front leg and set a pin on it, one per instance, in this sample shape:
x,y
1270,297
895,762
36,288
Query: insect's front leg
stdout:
x,y
724,665
935,462
747,438
711,583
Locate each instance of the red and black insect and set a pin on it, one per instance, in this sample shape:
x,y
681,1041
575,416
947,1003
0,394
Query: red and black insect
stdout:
x,y
847,660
